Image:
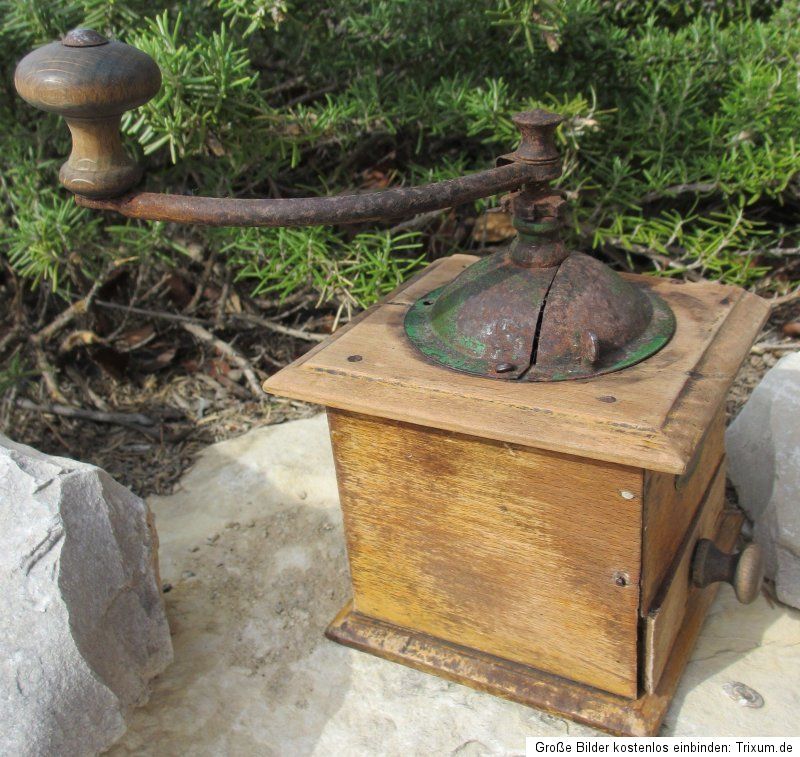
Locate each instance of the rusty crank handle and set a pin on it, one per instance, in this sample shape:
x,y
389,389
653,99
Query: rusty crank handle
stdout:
x,y
92,81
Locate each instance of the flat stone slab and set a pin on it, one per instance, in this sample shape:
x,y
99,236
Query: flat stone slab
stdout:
x,y
252,547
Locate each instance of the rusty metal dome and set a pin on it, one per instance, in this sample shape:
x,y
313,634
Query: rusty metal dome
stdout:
x,y
535,311
575,319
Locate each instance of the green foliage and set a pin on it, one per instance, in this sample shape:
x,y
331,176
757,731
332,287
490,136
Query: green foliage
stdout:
x,y
13,372
680,143
280,261
205,90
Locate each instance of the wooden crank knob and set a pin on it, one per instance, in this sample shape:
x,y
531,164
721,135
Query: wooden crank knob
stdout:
x,y
91,82
744,570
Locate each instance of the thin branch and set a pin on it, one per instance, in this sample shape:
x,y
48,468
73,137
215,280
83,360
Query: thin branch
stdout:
x,y
155,288
230,352
292,83
760,349
66,316
291,299
136,421
785,299
14,334
47,371
780,252
308,336
223,298
292,310
698,187
309,96
150,313
62,320
656,257
201,285
417,222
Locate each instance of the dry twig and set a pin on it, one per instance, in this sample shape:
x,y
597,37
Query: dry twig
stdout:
x,y
762,347
64,318
308,336
136,421
47,371
228,351
201,285
223,298
784,299
700,187
266,304
150,313
15,333
417,222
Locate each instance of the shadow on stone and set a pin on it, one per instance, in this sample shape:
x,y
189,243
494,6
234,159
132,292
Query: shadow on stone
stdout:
x,y
253,575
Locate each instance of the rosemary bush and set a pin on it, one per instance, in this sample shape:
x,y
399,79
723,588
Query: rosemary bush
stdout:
x,y
681,144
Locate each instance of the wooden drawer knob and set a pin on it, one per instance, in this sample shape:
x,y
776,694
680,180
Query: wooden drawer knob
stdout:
x,y
743,570
91,82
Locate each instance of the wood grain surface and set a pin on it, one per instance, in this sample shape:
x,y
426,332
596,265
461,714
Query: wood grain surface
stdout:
x,y
665,618
670,504
528,555
535,688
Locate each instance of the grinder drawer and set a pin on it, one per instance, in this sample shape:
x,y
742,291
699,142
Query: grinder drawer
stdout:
x,y
664,621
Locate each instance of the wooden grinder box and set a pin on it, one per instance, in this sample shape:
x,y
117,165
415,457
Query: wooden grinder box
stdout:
x,y
532,540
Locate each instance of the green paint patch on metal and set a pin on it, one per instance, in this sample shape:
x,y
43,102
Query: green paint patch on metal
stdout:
x,y
532,229
427,339
658,333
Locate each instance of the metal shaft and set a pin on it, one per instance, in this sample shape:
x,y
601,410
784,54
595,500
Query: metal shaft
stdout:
x,y
337,209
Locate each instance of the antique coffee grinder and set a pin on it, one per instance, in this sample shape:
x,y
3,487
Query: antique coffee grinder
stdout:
x,y
529,446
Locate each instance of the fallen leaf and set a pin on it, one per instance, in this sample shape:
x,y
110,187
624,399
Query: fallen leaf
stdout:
x,y
78,339
115,280
493,227
190,365
212,293
791,329
325,323
160,357
215,145
375,179
233,303
552,40
218,368
110,361
180,291
133,339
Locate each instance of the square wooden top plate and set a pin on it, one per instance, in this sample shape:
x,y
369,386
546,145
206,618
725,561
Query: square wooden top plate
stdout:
x,y
652,415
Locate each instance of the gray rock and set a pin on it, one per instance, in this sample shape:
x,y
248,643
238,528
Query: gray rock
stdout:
x,y
763,446
82,621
